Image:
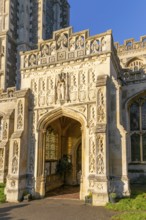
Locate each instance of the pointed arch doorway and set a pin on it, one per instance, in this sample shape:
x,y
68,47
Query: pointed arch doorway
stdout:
x,y
62,148
58,137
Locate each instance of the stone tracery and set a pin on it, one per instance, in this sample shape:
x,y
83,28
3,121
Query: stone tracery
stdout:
x,y
100,155
20,115
15,158
101,106
92,152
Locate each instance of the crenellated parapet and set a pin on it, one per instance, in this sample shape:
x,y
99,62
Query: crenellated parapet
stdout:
x,y
131,45
67,46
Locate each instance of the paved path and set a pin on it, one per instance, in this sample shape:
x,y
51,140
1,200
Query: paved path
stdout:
x,y
53,209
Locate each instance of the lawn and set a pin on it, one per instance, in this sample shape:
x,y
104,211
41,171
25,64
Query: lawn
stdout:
x,y
133,208
2,195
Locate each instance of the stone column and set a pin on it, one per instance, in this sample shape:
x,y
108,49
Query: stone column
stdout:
x,y
43,178
7,124
40,179
100,192
124,181
85,164
16,179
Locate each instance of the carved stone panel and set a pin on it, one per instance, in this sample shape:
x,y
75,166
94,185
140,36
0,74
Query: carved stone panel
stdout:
x,y
73,92
92,84
15,158
92,153
101,111
100,154
5,130
82,86
20,115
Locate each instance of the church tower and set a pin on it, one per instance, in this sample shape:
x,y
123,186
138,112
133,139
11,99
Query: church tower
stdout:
x,y
22,25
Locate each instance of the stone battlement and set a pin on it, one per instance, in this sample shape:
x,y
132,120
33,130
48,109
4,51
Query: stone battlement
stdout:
x,y
131,44
66,46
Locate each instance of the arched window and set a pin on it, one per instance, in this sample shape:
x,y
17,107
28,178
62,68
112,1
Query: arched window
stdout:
x,y
51,150
135,65
138,129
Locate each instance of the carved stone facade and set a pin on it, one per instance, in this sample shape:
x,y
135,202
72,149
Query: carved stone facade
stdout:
x,y
31,21
79,96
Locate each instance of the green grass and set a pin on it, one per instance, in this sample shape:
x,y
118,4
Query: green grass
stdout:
x,y
2,195
130,216
129,204
133,208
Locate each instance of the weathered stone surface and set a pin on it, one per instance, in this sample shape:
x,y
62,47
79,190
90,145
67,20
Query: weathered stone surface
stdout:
x,y
75,97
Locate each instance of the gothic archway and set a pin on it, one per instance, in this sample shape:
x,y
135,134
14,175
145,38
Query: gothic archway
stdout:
x,y
67,129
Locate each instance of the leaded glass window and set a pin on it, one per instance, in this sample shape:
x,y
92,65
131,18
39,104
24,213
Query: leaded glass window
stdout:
x,y
138,129
51,144
134,117
135,143
135,65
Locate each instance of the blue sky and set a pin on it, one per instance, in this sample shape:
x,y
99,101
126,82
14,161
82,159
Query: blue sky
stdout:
x,y
127,18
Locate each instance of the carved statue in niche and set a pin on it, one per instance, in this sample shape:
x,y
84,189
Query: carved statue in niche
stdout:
x,y
62,41
80,42
53,48
14,165
45,50
72,45
61,87
95,46
32,60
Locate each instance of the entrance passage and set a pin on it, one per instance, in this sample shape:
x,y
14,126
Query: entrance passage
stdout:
x,y
63,155
64,192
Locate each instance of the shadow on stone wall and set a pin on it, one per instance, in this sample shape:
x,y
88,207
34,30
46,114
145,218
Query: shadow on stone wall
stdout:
x,y
115,143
